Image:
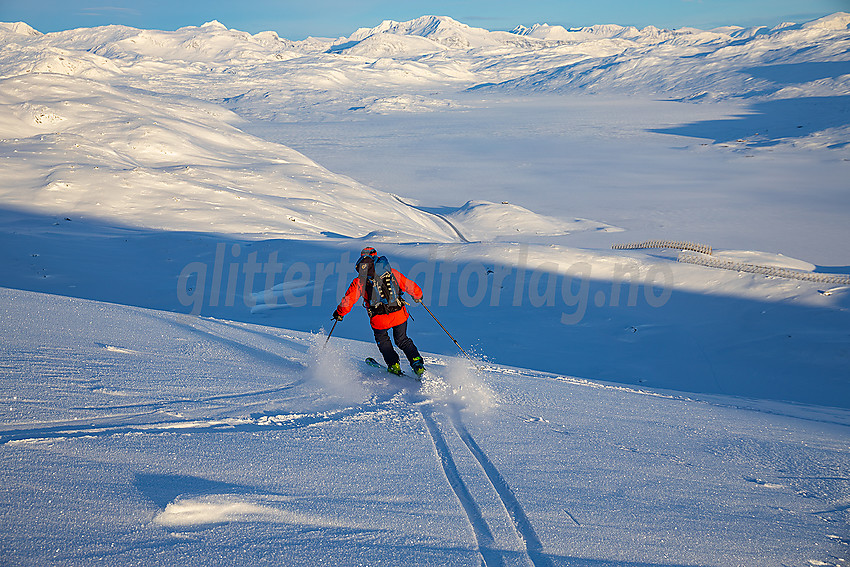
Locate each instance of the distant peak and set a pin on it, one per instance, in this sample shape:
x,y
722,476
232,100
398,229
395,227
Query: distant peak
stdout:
x,y
19,28
214,24
422,24
439,19
440,29
836,21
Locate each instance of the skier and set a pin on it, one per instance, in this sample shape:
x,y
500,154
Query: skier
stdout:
x,y
381,286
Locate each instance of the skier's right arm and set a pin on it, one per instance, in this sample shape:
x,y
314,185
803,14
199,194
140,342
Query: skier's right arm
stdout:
x,y
349,299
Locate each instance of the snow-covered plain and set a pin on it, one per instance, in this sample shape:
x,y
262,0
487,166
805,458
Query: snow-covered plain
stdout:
x,y
181,212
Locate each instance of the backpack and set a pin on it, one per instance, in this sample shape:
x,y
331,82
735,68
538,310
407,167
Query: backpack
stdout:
x,y
381,292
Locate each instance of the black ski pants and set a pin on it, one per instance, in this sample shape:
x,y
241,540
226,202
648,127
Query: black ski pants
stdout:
x,y
402,341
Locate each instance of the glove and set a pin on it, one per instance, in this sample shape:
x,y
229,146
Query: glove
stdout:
x,y
417,299
337,316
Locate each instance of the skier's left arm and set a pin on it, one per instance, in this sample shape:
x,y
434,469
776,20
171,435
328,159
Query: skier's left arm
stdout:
x,y
408,286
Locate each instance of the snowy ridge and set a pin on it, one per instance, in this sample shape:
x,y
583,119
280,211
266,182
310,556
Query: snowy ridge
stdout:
x,y
673,62
483,220
589,33
389,46
442,30
687,63
19,28
211,42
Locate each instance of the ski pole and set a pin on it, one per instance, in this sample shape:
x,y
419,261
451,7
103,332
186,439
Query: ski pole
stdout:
x,y
332,331
448,333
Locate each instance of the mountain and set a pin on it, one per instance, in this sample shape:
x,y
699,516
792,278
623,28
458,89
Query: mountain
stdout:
x,y
439,29
559,33
52,80
210,42
19,28
388,45
692,64
685,64
840,21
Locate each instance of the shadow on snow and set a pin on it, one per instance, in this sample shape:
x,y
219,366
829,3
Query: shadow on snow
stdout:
x,y
692,342
771,121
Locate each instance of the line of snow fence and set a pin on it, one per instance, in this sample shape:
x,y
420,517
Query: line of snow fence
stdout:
x,y
672,244
703,260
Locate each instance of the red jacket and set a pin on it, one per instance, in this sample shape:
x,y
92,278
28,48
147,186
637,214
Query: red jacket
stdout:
x,y
388,320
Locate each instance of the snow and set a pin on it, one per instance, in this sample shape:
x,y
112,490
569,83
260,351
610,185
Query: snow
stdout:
x,y
225,443
439,29
839,21
19,28
109,152
181,212
482,220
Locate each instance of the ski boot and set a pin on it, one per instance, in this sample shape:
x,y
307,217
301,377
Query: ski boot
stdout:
x,y
418,366
395,369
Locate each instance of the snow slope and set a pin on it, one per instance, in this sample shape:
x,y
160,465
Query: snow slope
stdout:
x,y
129,156
482,220
181,212
693,64
148,438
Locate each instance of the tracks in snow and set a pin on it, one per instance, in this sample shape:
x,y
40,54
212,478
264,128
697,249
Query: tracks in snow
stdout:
x,y
503,532
439,216
483,535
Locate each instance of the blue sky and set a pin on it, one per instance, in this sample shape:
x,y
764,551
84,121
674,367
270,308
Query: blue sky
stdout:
x,y
332,18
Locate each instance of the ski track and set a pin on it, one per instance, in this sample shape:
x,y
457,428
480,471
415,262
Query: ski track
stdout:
x,y
137,424
162,415
289,341
523,525
164,404
497,520
204,328
439,216
492,550
483,536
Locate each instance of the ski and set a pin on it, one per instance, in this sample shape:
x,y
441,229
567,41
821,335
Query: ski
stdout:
x,y
375,364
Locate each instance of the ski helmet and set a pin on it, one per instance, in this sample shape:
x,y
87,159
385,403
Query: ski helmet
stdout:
x,y
367,256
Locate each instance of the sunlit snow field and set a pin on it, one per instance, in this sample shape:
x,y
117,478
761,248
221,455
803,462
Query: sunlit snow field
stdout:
x,y
181,212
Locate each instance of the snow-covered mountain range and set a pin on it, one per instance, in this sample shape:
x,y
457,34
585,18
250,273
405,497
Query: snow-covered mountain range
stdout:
x,y
79,91
510,58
